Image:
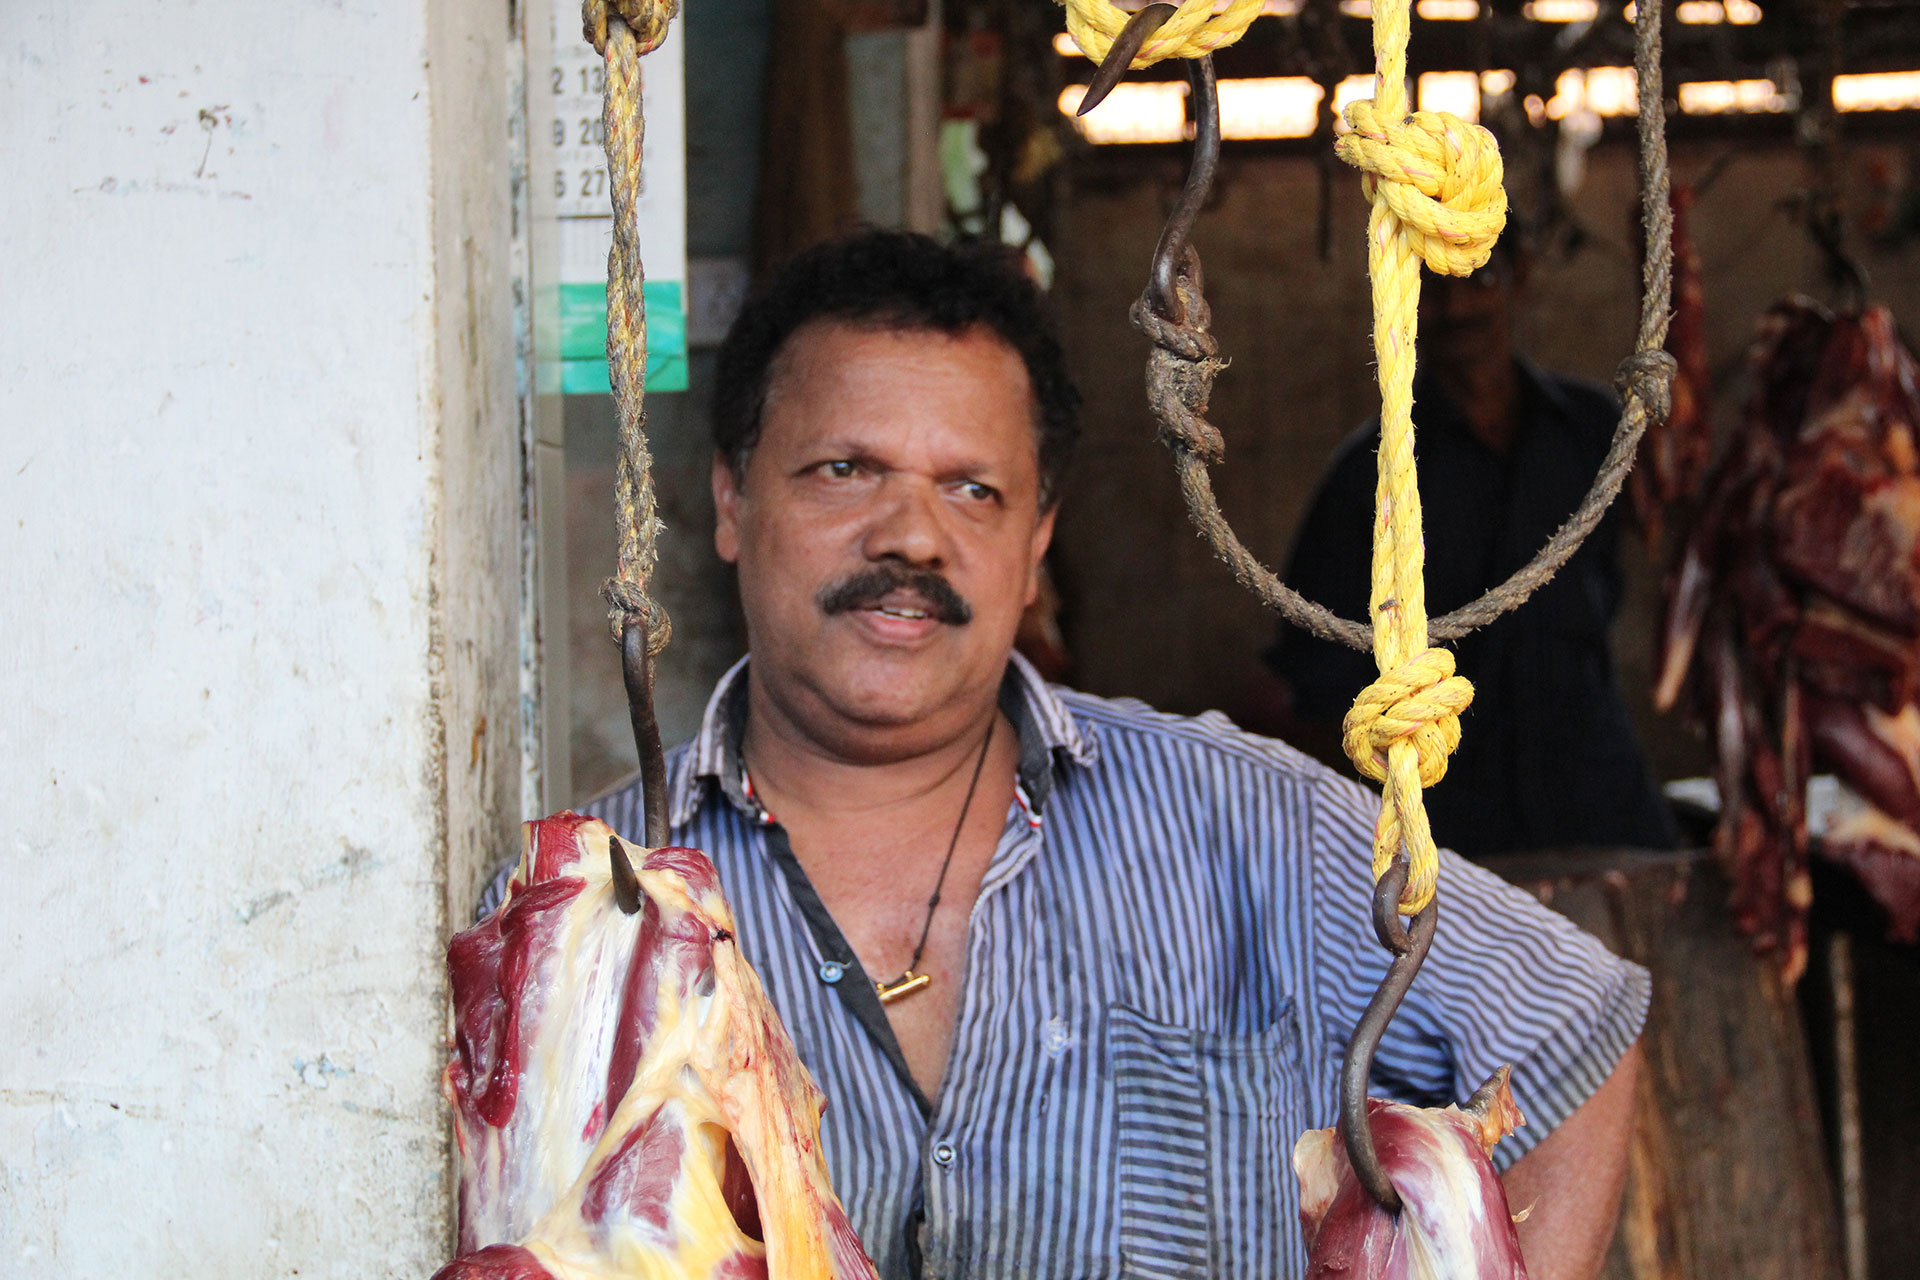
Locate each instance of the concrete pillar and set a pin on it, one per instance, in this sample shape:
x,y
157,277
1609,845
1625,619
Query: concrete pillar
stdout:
x,y
260,690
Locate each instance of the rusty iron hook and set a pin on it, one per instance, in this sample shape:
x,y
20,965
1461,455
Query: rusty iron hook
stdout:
x,y
1120,56
626,884
636,668
1175,253
1409,947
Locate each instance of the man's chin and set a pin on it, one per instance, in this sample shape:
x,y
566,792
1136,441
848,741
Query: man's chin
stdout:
x,y
842,688
889,691
881,704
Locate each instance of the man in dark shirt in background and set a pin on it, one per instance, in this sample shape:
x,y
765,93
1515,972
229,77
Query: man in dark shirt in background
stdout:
x,y
1506,451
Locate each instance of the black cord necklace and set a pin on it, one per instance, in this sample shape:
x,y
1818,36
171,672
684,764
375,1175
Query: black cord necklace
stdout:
x,y
913,980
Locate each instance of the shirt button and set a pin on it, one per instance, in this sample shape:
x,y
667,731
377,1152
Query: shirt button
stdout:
x,y
943,1154
832,971
1056,1037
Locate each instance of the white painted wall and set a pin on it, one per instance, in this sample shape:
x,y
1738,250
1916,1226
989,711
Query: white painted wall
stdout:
x,y
259,473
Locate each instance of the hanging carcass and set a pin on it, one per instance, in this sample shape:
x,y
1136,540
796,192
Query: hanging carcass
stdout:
x,y
625,1098
1792,626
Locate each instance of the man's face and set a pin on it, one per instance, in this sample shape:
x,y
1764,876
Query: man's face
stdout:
x,y
1464,321
888,532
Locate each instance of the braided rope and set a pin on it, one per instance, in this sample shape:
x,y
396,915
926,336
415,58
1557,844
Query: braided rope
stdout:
x,y
622,31
1193,31
1435,184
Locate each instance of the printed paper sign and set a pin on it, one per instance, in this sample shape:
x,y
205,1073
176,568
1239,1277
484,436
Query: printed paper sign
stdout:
x,y
571,164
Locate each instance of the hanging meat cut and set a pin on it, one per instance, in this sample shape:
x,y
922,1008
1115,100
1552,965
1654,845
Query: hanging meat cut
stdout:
x,y
1792,626
1453,1221
626,1101
1676,449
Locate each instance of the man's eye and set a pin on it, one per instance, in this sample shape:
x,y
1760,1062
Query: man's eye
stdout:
x,y
979,492
840,469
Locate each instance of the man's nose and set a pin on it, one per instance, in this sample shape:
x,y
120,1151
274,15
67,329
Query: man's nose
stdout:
x,y
908,524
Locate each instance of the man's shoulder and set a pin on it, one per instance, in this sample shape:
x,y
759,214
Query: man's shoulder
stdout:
x,y
1589,405
1125,727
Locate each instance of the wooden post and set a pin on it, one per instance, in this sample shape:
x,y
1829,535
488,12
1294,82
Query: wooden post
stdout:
x,y
1727,1175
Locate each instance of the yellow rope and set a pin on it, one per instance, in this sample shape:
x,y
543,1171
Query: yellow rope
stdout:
x,y
1191,32
647,19
1434,181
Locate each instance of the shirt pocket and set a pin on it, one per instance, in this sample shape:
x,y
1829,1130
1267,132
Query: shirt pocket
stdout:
x,y
1206,1124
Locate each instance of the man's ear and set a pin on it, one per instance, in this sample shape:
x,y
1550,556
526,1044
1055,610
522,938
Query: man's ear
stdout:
x,y
726,509
1042,539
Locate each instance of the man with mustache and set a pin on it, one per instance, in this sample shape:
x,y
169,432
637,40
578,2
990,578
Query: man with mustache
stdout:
x,y
1074,975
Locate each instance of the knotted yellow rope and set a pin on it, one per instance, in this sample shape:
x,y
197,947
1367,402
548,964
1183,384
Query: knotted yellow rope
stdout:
x,y
622,31
1434,181
647,19
1191,32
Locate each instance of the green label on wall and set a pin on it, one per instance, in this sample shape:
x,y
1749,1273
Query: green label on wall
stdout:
x,y
583,338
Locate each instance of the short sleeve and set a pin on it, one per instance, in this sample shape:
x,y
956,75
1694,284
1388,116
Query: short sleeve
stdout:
x,y
1508,982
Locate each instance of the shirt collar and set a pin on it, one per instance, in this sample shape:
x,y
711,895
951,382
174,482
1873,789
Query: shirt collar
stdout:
x,y
1046,727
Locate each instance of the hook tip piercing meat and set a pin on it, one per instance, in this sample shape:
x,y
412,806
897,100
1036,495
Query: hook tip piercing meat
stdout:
x,y
1453,1220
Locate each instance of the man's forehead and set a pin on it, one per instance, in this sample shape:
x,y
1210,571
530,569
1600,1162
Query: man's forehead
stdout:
x,y
895,368
881,337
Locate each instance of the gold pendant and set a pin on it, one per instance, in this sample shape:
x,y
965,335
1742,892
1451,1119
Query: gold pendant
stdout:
x,y
904,985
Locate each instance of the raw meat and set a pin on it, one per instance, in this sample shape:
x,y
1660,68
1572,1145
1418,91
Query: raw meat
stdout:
x,y
625,1098
1792,627
1453,1223
1674,452
1885,854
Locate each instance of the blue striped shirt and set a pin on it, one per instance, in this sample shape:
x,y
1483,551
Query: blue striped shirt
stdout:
x,y
1167,956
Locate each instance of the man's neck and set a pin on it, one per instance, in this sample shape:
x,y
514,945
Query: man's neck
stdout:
x,y
793,768
1487,395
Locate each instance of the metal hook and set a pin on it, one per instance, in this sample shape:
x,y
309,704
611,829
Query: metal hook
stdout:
x,y
1120,56
1409,947
1174,252
626,885
636,668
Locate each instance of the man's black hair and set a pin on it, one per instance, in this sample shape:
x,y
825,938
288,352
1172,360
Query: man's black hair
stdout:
x,y
900,281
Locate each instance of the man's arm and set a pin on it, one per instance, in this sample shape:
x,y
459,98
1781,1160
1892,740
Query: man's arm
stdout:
x,y
1572,1181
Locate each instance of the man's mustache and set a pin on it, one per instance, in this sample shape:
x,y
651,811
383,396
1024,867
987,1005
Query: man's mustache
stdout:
x,y
867,589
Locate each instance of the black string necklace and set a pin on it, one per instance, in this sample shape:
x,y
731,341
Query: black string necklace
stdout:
x,y
913,980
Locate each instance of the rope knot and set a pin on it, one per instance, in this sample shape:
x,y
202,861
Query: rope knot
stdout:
x,y
647,18
1193,31
1440,176
626,599
1180,373
1649,375
1419,701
